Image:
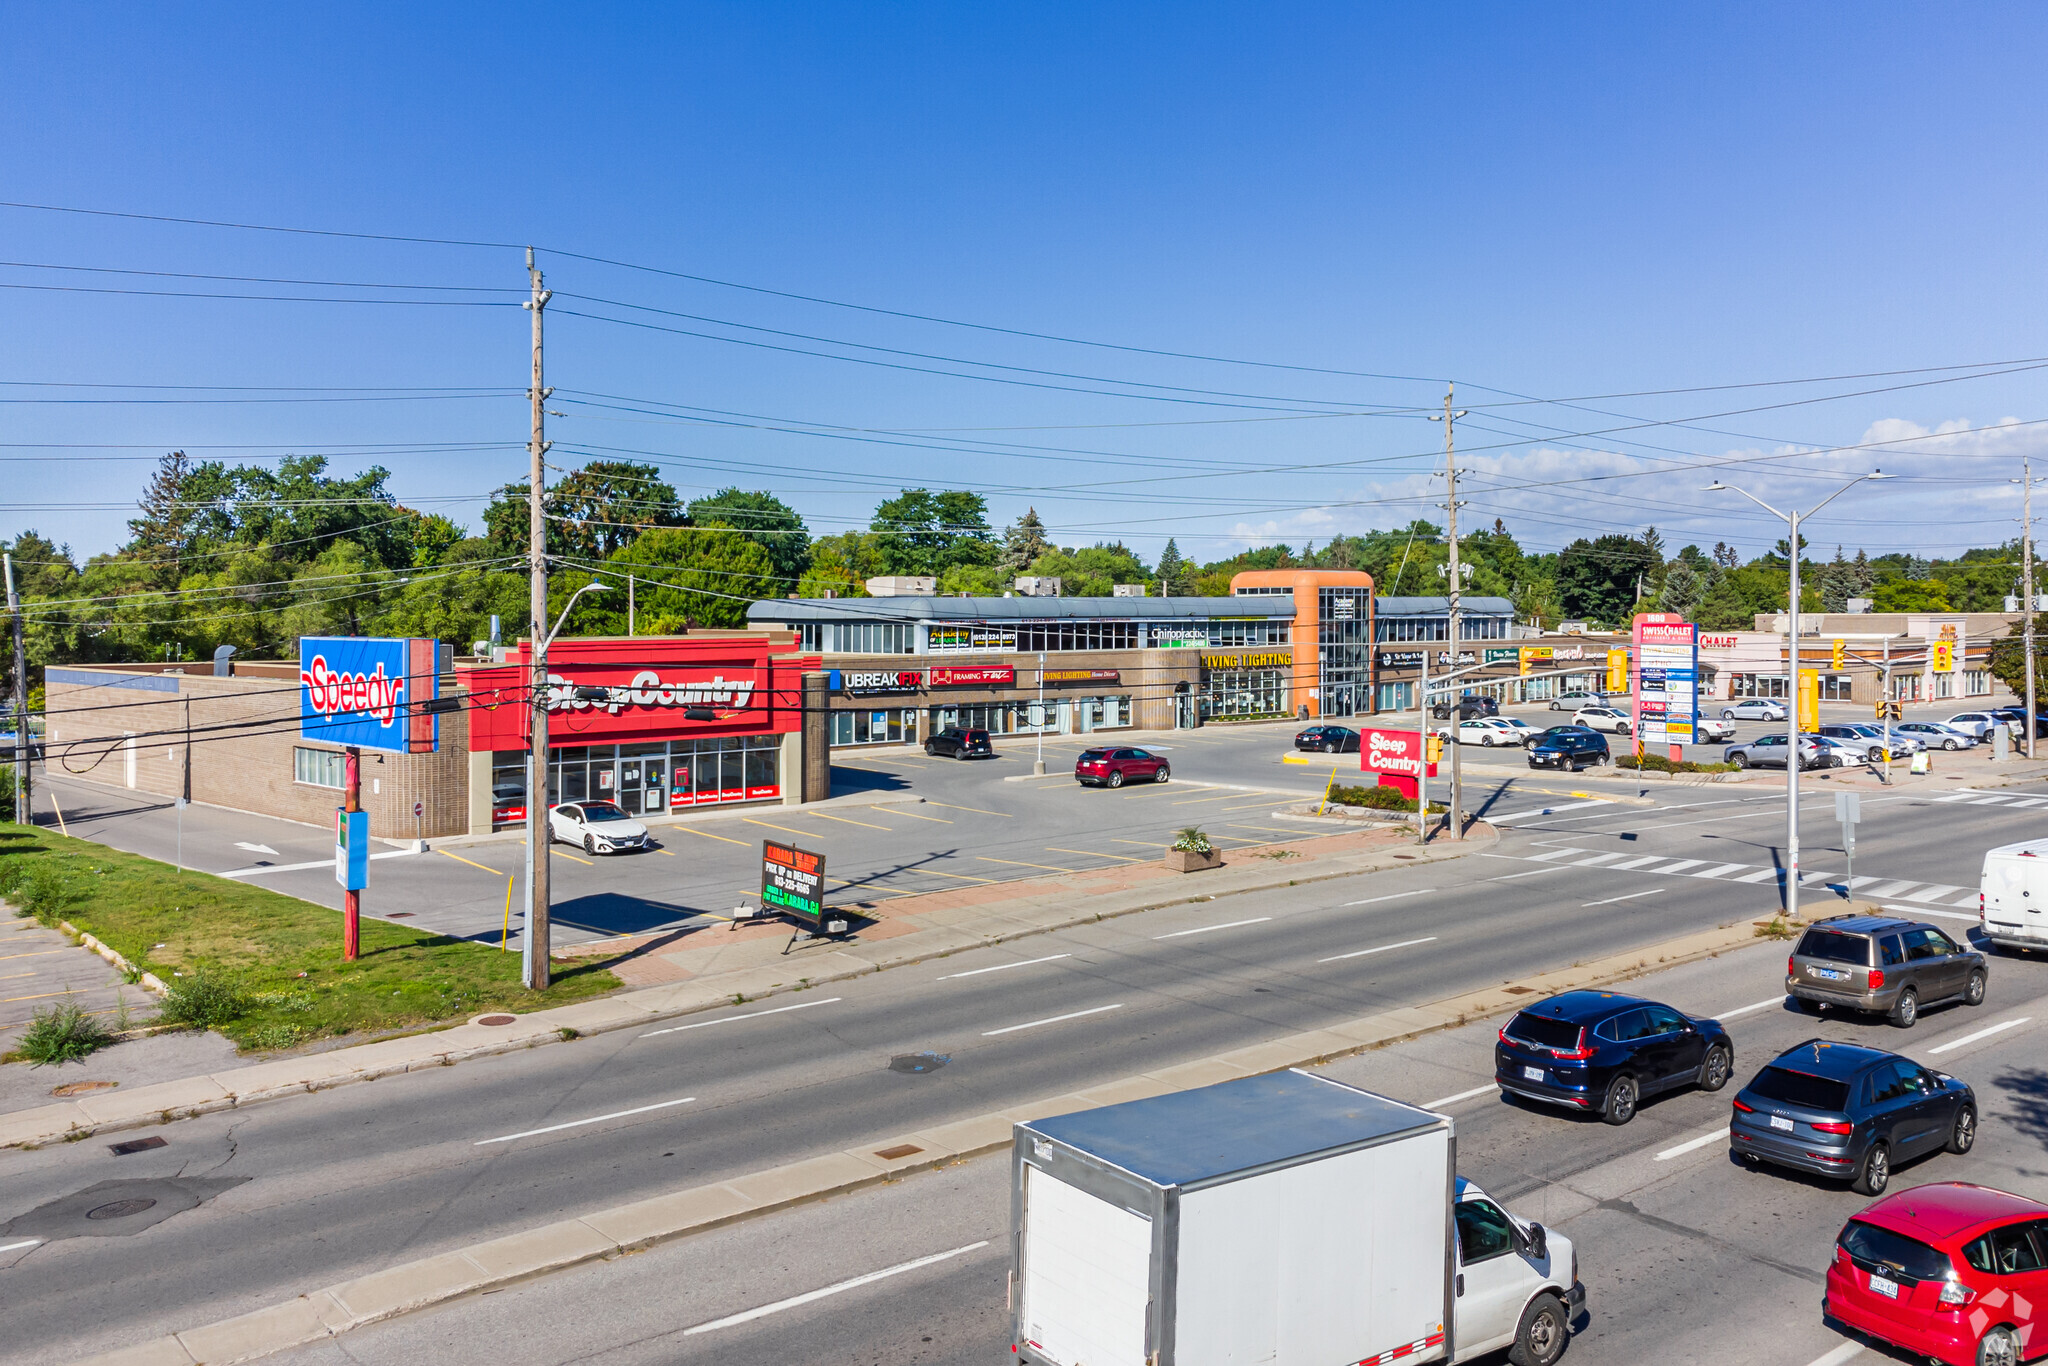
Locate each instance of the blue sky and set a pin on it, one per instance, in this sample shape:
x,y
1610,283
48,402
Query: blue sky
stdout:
x,y
1537,202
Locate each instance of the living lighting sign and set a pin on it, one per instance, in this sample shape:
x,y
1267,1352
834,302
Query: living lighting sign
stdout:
x,y
1269,660
366,692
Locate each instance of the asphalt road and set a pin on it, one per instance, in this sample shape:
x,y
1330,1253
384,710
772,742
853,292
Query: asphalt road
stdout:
x,y
1688,1258
343,1182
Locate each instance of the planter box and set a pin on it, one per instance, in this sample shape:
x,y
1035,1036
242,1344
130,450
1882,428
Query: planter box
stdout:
x,y
1188,861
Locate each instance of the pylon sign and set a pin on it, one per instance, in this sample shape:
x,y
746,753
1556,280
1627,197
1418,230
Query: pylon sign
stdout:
x,y
366,691
1667,700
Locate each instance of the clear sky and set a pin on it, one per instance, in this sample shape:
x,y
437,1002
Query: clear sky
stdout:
x,y
1534,201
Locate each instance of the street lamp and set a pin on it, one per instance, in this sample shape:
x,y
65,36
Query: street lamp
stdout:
x,y
2027,482
533,945
1792,519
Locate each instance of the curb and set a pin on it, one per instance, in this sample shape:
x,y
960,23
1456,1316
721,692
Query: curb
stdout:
x,y
190,1097
147,979
628,1228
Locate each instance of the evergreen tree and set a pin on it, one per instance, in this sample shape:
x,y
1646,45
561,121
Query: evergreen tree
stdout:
x,y
163,533
1727,556
1023,542
1836,582
1173,571
1685,588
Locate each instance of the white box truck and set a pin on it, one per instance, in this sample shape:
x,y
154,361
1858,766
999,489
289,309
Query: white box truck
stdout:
x,y
2012,896
1285,1220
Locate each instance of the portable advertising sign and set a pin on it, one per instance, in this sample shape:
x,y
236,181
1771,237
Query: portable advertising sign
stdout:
x,y
1667,703
1397,756
367,692
792,880
351,849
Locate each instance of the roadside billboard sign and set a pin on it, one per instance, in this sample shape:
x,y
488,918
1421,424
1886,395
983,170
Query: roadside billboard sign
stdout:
x,y
1667,703
793,880
367,692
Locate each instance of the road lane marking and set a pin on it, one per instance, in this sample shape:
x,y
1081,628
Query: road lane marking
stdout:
x,y
16,1247
1759,875
1984,1033
748,1316
706,834
1485,1090
1640,862
1595,860
1361,953
1718,871
1226,925
870,825
1056,1019
1555,854
1509,877
750,1015
1629,896
1692,1144
1744,1010
976,972
471,862
579,1123
1547,810
1090,853
1848,1351
1391,896
1006,815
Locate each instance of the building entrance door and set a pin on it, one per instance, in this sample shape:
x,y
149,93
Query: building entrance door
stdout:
x,y
642,790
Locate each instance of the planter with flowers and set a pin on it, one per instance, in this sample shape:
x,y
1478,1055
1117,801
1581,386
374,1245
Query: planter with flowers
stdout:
x,y
1191,852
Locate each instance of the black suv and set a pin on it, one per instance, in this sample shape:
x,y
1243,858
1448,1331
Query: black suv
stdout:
x,y
961,744
1883,965
1572,747
1328,739
1470,707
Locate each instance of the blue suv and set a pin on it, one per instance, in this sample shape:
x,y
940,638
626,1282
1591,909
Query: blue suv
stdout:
x,y
1844,1111
1603,1052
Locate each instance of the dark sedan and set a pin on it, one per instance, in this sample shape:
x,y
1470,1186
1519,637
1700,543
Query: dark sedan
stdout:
x,y
1328,739
1848,1112
1563,747
1602,1052
1115,767
961,743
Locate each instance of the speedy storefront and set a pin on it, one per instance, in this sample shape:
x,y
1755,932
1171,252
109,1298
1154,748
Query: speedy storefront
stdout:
x,y
656,725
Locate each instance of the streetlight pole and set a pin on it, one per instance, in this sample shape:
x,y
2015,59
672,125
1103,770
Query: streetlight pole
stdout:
x,y
2026,483
533,940
1792,759
1038,768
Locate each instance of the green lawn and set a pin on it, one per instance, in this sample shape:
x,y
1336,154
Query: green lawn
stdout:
x,y
280,954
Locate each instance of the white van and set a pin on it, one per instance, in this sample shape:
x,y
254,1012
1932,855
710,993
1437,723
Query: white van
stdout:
x,y
2012,902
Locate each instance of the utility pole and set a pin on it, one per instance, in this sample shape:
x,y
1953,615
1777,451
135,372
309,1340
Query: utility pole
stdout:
x,y
24,809
629,603
2026,586
1422,738
1792,759
534,943
1449,419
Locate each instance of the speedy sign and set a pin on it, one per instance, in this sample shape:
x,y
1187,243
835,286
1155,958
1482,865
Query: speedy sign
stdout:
x,y
365,691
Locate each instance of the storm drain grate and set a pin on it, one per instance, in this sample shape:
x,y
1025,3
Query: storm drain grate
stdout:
x,y
119,1209
900,1150
136,1145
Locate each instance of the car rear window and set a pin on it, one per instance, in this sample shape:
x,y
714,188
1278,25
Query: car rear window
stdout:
x,y
1895,1250
1549,1033
1801,1088
1835,947
1094,754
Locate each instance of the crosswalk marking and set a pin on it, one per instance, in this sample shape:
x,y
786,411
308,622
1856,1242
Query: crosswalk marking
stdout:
x,y
1555,854
1891,888
1638,862
1872,888
1681,864
1758,876
1720,871
1594,861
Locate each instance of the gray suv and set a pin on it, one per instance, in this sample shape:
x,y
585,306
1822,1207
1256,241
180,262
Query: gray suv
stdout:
x,y
1883,965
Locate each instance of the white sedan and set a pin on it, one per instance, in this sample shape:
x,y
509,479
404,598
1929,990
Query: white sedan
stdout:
x,y
1491,731
600,827
1603,718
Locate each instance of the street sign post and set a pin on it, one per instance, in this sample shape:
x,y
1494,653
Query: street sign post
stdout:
x,y
1848,810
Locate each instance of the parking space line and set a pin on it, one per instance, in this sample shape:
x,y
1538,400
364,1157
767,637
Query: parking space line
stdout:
x,y
964,877
1204,929
559,854
871,887
1006,815
37,953
1054,1019
783,828
823,817
706,834
1144,844
1090,853
6,1000
1984,1033
916,817
471,862
1692,1145
1018,863
1197,801
1361,953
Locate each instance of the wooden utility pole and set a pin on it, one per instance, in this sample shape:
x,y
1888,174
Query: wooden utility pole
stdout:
x,y
1449,419
2026,586
534,943
24,811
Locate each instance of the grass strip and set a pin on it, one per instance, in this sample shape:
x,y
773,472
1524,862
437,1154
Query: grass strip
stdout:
x,y
269,965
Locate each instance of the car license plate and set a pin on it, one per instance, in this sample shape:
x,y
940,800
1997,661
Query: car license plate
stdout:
x,y
1831,974
1780,1122
1884,1285
1533,1073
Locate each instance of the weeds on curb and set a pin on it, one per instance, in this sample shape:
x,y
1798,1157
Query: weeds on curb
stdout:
x,y
1777,927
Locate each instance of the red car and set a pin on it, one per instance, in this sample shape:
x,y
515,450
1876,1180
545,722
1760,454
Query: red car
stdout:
x,y
1115,767
1953,1271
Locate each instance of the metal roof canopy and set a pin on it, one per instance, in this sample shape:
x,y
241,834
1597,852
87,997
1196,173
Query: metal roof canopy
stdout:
x,y
1435,607
938,609
1236,1128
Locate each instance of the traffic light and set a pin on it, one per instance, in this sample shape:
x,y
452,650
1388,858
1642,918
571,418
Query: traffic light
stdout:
x,y
1436,748
1892,710
1840,663
1883,710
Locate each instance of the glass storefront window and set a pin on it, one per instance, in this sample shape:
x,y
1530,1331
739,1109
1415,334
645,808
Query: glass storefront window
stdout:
x,y
645,780
1245,692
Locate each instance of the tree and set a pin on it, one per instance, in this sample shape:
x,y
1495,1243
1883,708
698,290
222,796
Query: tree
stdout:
x,y
840,566
921,532
433,536
767,520
1684,590
607,504
1598,579
1173,571
1912,595
2009,658
686,577
1023,541
1836,584
163,532
1726,555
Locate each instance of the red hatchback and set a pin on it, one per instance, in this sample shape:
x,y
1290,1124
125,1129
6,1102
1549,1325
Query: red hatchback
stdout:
x,y
1953,1271
1115,767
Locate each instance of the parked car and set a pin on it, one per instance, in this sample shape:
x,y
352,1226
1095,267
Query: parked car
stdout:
x,y
1754,709
1837,752
1882,965
1949,1271
1603,718
1467,707
1712,730
1572,701
1328,739
2015,719
961,744
1903,742
1491,731
1977,723
1865,747
1115,767
599,826
1567,747
1601,1052
2008,912
1842,1110
1935,734
1770,751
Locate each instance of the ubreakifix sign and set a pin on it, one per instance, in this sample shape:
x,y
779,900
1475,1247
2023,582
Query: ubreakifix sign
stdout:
x,y
875,683
648,688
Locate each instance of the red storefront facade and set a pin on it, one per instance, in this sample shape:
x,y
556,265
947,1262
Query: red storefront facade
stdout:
x,y
676,722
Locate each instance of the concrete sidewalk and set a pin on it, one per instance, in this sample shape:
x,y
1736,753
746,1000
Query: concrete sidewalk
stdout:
x,y
697,968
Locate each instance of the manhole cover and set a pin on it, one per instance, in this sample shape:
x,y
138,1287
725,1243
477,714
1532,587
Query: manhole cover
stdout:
x,y
119,1209
136,1145
915,1063
79,1088
496,1019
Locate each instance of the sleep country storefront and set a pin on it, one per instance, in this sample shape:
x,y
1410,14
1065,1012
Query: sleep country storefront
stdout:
x,y
654,724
